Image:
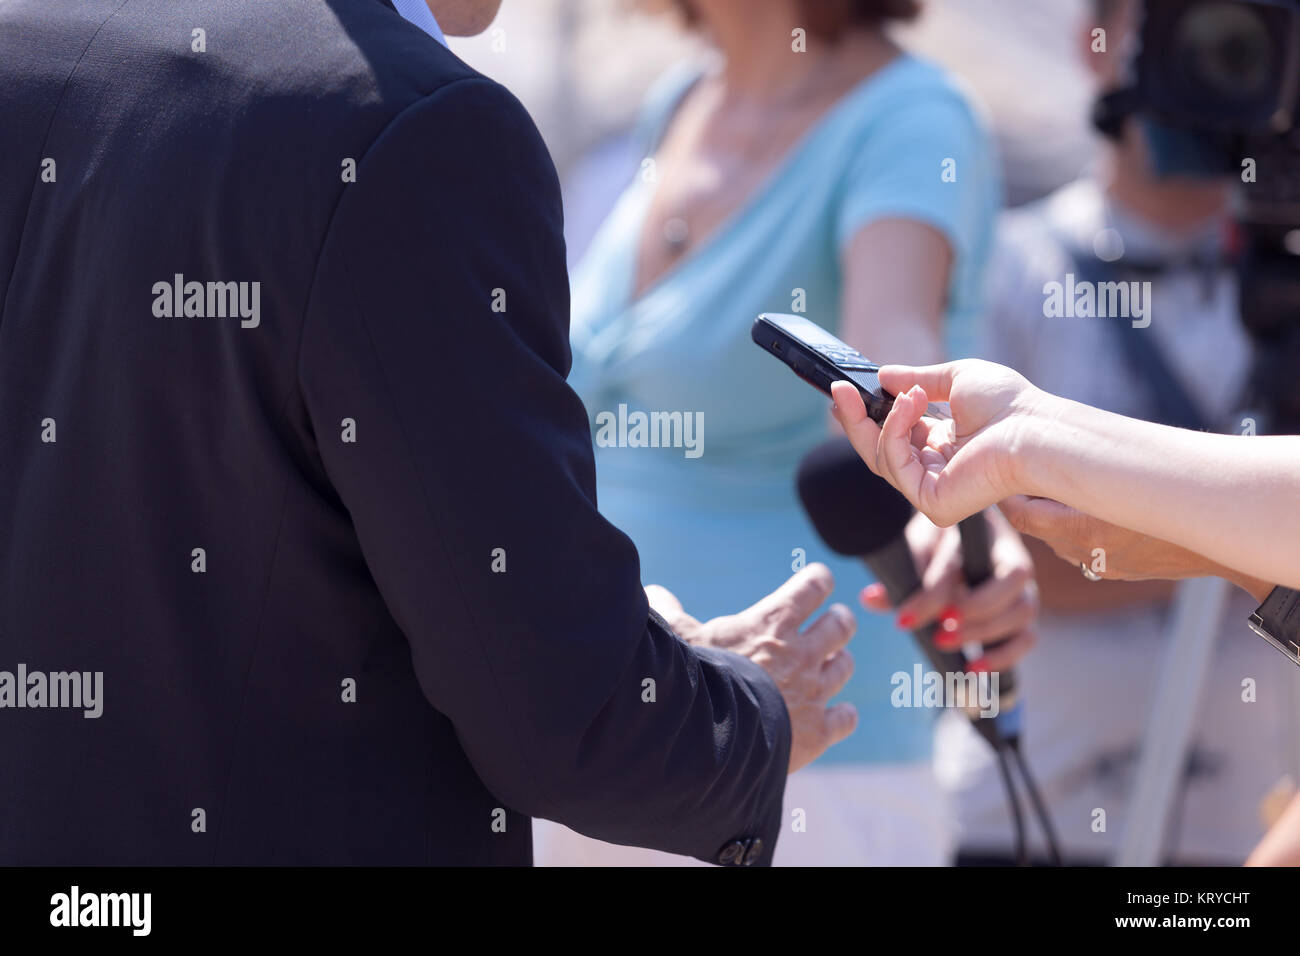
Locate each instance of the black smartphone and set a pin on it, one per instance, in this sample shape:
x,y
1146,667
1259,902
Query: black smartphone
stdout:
x,y
820,358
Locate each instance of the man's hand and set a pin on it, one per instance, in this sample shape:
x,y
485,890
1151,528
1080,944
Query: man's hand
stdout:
x,y
1112,552
998,614
809,666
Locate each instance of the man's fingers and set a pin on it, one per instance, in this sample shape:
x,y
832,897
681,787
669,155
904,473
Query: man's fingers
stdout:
x,y
841,720
836,672
802,594
1007,654
936,380
830,632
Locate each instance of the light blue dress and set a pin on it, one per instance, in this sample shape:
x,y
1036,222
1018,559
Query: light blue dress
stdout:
x,y
723,529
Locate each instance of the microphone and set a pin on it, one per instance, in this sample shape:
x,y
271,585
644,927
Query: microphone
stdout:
x,y
860,515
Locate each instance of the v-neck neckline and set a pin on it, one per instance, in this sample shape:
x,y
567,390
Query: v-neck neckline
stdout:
x,y
760,194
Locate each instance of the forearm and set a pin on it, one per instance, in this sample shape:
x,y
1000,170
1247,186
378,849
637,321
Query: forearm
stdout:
x,y
1234,499
1257,588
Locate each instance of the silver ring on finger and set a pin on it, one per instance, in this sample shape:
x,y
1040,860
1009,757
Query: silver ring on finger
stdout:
x,y
1088,572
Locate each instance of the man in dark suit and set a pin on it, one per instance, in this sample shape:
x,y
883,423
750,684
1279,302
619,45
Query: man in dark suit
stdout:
x,y
300,560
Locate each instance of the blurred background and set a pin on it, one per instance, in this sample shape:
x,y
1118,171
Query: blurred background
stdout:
x,y
739,214
582,68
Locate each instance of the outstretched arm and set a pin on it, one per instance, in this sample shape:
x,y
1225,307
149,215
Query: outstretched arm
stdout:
x,y
1234,499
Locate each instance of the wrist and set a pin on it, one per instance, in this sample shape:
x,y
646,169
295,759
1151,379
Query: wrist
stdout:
x,y
1255,587
1035,461
691,631
717,632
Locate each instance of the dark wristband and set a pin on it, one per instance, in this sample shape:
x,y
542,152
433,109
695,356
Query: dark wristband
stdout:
x,y
1277,621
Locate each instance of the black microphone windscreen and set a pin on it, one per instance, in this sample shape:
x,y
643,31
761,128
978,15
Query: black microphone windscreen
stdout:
x,y
855,512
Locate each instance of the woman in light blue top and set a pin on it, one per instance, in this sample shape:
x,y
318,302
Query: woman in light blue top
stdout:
x,y
850,182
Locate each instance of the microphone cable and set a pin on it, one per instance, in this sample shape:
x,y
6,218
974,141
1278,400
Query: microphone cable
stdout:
x,y
977,568
1009,754
1017,814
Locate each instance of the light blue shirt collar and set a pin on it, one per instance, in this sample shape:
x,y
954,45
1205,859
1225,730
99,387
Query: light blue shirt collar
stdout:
x,y
418,12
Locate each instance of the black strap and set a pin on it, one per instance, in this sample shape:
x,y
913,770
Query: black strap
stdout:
x,y
1147,364
1277,620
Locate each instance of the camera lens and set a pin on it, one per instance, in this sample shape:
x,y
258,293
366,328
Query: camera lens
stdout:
x,y
1225,51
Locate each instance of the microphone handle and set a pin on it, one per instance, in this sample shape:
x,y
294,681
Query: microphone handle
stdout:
x,y
977,567
894,568
976,552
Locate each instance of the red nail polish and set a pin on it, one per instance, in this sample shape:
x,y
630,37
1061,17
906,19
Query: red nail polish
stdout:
x,y
978,666
950,618
907,621
947,641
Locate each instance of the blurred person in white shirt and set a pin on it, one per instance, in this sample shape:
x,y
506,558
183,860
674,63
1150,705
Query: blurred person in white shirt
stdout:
x,y
1088,686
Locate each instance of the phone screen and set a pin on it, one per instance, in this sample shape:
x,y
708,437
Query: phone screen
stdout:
x,y
836,351
810,332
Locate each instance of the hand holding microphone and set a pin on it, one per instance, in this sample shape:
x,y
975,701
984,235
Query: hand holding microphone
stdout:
x,y
858,514
997,613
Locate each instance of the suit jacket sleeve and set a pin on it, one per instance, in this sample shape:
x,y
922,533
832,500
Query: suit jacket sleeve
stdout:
x,y
438,325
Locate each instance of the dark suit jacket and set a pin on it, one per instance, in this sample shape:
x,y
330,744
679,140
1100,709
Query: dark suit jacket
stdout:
x,y
343,673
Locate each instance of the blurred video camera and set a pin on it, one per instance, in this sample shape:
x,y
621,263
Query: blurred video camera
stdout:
x,y
1215,85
